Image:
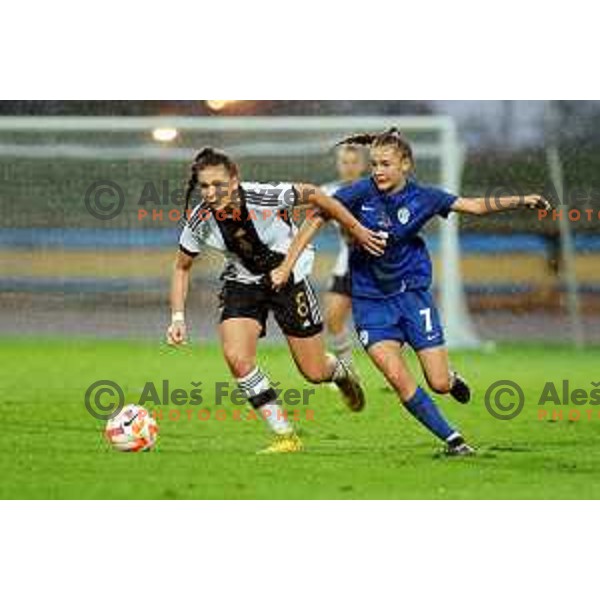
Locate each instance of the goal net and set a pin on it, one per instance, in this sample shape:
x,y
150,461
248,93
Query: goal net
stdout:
x,y
63,178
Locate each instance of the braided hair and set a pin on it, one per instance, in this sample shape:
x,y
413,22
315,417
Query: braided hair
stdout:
x,y
358,139
207,157
389,137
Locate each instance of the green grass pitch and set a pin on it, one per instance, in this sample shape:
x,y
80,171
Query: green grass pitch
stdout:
x,y
50,447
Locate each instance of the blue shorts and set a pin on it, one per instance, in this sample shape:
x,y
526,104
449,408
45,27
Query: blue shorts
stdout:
x,y
410,317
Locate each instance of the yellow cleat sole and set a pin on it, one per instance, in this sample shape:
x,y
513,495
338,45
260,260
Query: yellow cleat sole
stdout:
x,y
284,445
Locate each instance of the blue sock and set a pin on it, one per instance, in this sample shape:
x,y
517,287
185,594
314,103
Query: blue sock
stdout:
x,y
421,407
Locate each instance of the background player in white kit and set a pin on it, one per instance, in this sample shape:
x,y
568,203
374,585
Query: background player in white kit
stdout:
x,y
352,161
244,222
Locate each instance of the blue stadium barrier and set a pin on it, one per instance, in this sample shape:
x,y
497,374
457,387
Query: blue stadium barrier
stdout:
x,y
81,285
471,243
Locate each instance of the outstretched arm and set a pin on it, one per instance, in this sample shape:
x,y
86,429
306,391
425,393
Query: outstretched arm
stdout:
x,y
483,206
369,240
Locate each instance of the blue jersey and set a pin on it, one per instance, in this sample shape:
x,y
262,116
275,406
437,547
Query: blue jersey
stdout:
x,y
405,265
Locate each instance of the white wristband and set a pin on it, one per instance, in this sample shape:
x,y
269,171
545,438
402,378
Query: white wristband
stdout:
x,y
178,317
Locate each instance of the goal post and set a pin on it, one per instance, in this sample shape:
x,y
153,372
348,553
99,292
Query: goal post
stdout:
x,y
460,331
58,156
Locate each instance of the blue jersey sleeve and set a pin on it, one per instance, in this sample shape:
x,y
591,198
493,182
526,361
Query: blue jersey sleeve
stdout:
x,y
349,195
442,201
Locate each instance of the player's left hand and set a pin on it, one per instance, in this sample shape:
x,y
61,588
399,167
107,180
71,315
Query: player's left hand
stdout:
x,y
537,202
279,277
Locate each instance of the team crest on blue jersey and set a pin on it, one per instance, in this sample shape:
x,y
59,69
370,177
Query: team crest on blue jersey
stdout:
x,y
403,215
363,336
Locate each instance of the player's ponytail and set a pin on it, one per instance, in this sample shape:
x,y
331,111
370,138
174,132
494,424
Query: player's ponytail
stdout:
x,y
358,139
190,186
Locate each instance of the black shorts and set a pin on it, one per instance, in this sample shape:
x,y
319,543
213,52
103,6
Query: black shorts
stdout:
x,y
341,284
295,307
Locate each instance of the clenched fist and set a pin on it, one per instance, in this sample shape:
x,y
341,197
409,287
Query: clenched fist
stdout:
x,y
176,333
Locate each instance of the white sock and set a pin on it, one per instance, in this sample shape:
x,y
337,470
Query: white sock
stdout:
x,y
276,419
253,384
257,388
341,344
339,370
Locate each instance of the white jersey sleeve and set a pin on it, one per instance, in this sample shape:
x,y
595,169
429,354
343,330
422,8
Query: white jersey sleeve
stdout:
x,y
341,266
330,189
271,195
189,243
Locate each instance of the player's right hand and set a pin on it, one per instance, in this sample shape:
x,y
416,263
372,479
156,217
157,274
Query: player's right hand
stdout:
x,y
279,277
538,202
373,242
176,333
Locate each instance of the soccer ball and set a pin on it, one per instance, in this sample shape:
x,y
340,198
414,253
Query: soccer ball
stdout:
x,y
132,430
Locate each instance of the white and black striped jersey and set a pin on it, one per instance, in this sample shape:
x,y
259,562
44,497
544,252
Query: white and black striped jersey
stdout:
x,y
341,266
268,234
